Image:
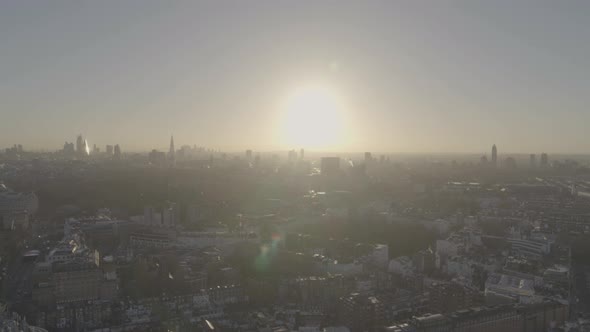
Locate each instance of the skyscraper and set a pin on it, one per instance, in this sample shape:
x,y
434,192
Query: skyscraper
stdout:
x,y
544,160
109,149
80,145
368,157
533,160
301,154
248,154
117,151
494,155
172,152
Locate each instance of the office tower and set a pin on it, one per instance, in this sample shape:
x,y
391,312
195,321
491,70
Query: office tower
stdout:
x,y
330,165
86,148
248,154
69,148
80,145
532,161
368,157
483,160
494,155
95,149
301,154
544,160
117,151
172,152
109,150
292,156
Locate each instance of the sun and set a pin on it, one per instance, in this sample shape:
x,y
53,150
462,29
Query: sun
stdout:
x,y
312,117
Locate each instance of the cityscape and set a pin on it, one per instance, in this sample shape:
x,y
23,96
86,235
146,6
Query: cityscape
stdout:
x,y
294,166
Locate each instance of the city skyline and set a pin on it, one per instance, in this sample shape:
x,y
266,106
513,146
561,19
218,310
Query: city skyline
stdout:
x,y
421,77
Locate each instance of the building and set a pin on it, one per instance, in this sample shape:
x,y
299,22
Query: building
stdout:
x,y
117,151
503,287
109,150
533,161
362,313
494,155
77,281
157,158
544,160
80,145
507,318
330,166
248,155
368,157
172,153
447,297
16,209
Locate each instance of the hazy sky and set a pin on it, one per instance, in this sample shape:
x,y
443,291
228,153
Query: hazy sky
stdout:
x,y
446,76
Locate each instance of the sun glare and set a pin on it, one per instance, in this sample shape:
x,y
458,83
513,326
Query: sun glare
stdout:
x,y
312,118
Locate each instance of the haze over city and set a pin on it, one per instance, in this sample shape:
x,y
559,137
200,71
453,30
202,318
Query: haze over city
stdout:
x,y
294,166
390,76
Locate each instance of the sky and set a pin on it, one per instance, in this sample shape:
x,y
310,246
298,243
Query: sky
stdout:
x,y
409,76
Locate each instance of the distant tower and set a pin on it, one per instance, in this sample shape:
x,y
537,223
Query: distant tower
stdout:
x,y
248,154
533,161
117,151
80,149
494,155
301,154
172,152
544,160
368,157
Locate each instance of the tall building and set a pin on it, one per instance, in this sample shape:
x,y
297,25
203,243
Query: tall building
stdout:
x,y
368,157
494,155
544,160
532,161
109,150
80,147
301,154
248,154
292,156
172,152
117,151
330,166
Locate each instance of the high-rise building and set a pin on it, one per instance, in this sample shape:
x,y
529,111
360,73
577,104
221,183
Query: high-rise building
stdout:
x,y
494,155
292,155
301,154
109,150
172,152
368,157
544,160
117,151
80,148
248,154
532,161
330,166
